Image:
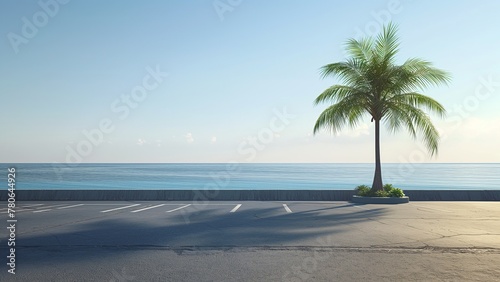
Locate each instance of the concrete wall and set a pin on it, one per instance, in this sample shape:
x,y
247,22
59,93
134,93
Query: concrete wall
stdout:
x,y
239,195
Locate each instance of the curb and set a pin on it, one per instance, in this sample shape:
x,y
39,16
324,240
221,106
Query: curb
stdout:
x,y
380,200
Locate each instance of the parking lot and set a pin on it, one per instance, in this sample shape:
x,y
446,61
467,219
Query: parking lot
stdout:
x,y
289,241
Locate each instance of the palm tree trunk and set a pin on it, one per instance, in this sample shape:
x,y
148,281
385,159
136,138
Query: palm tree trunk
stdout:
x,y
377,179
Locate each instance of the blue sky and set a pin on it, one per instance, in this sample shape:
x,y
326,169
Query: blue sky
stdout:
x,y
220,81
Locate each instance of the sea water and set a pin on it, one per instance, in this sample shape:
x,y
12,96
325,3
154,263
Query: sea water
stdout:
x,y
246,176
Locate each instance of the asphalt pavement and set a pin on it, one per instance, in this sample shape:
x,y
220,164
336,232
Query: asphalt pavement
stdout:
x,y
252,241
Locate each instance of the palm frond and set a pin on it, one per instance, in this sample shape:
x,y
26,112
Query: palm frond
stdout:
x,y
417,73
350,72
387,43
419,100
335,93
346,112
413,119
360,49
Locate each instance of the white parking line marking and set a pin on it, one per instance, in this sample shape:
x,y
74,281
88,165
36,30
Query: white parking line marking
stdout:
x,y
287,208
53,206
17,210
32,206
236,208
179,208
42,210
123,204
120,208
73,206
148,208
214,204
104,204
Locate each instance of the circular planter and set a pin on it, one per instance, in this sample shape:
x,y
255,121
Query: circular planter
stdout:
x,y
380,200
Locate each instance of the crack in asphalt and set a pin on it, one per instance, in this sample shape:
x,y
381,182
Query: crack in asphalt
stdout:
x,y
230,248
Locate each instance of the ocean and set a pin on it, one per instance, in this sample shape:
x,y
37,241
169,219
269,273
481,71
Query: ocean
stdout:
x,y
245,176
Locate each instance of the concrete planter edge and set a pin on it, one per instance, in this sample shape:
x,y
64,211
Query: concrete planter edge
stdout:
x,y
380,200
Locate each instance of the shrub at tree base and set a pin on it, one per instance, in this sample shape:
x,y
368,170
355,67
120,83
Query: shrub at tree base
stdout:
x,y
362,190
389,191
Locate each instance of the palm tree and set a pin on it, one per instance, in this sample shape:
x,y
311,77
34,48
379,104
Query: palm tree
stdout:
x,y
372,83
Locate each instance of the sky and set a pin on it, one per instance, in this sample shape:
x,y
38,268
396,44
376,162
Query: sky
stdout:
x,y
230,80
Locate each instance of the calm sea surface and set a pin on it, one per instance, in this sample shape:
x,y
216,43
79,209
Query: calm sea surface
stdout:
x,y
252,176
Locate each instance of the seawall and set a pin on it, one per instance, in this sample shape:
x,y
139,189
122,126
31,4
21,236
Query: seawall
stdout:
x,y
238,195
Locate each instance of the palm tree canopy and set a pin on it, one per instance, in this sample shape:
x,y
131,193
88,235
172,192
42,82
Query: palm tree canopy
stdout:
x,y
372,83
